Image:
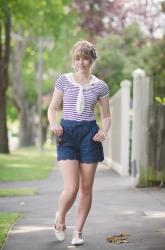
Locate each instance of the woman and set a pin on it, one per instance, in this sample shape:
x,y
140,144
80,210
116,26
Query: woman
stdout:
x,y
79,147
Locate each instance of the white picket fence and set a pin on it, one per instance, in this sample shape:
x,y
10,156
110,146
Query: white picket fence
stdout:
x,y
117,144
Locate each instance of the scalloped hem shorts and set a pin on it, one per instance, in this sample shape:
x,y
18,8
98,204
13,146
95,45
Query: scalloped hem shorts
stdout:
x,y
76,142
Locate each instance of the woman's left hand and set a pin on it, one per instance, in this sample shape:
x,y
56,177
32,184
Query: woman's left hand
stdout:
x,y
99,136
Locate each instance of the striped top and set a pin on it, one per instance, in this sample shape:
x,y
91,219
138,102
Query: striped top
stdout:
x,y
92,91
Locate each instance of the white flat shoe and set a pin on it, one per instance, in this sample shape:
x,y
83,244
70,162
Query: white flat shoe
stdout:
x,y
77,239
59,229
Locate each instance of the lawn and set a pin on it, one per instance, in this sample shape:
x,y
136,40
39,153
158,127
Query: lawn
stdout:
x,y
6,221
22,165
17,191
26,164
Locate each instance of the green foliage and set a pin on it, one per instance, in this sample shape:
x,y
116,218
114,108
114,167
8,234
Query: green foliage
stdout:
x,y
121,54
29,73
110,64
157,65
12,113
117,56
11,109
39,17
69,34
55,61
160,100
35,19
152,60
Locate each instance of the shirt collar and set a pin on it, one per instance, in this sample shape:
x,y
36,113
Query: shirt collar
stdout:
x,y
92,82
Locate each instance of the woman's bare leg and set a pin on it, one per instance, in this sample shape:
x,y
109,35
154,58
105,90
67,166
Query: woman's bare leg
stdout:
x,y
70,173
87,173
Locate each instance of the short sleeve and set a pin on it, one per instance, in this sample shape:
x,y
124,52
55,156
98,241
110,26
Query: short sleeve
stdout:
x,y
59,84
104,90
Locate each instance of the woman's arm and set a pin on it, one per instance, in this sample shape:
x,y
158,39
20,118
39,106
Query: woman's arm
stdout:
x,y
105,113
54,107
105,117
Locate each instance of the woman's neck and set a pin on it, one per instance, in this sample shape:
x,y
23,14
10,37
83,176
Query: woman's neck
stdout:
x,y
82,77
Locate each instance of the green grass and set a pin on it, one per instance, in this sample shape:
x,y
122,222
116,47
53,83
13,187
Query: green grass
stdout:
x,y
26,164
6,221
17,191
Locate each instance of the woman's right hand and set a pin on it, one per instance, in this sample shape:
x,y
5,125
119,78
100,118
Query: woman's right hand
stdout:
x,y
57,129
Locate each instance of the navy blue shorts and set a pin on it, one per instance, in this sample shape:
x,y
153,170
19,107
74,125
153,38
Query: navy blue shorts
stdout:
x,y
76,142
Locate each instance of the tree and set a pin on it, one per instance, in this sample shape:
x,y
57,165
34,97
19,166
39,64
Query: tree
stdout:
x,y
118,56
29,18
25,110
94,16
102,17
152,58
5,28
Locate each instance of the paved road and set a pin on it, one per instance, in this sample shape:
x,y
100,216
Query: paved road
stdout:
x,y
117,207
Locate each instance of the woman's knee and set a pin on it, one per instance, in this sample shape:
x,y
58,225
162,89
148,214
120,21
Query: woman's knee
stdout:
x,y
71,192
85,189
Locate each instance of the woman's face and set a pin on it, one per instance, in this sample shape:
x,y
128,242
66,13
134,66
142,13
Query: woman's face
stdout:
x,y
82,63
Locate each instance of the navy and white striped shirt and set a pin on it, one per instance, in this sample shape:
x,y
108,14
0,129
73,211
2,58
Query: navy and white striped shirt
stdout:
x,y
96,89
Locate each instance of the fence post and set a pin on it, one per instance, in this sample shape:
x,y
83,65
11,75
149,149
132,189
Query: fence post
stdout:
x,y
125,128
116,146
141,102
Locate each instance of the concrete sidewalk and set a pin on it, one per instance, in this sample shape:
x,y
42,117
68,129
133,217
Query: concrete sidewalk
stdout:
x,y
117,208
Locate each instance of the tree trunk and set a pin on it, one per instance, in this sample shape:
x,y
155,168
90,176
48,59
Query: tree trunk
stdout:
x,y
26,114
39,92
26,133
44,125
4,148
5,27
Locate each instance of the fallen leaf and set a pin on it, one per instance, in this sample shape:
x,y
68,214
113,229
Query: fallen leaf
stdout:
x,y
118,239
